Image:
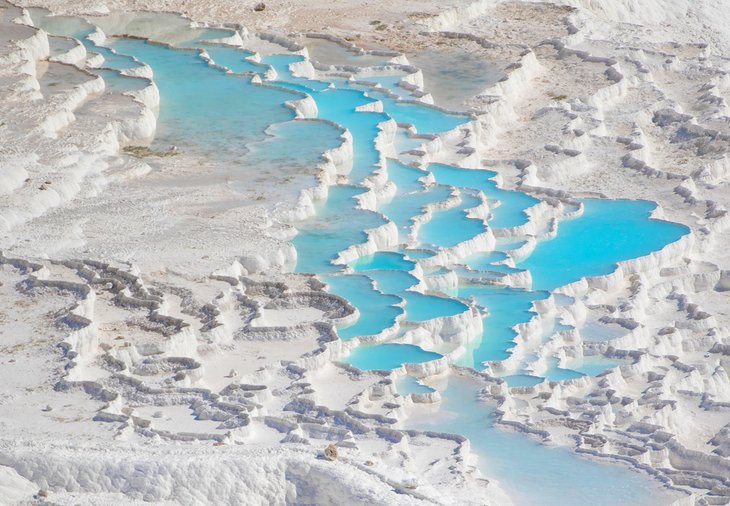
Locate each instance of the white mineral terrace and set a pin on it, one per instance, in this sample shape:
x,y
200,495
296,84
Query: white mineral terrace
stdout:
x,y
340,253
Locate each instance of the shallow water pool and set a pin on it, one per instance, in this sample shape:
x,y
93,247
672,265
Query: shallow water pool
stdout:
x,y
452,226
609,231
212,111
384,260
378,311
388,356
531,473
510,212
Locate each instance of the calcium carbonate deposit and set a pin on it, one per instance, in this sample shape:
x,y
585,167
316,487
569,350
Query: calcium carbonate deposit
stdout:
x,y
318,253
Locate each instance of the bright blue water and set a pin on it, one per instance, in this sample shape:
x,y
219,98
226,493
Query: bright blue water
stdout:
x,y
595,365
395,282
507,307
606,233
378,311
233,58
416,254
560,374
339,106
531,473
485,259
419,307
405,177
425,119
450,227
214,112
511,211
586,366
422,307
488,262
290,86
404,208
384,260
388,356
508,245
337,225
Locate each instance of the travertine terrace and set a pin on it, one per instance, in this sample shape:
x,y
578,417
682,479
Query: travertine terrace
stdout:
x,y
156,344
